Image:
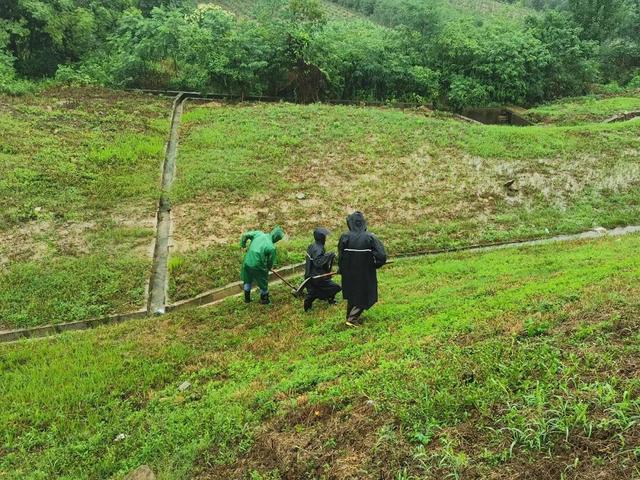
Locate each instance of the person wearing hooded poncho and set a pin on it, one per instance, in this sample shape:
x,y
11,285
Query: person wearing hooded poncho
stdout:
x,y
318,263
258,261
360,255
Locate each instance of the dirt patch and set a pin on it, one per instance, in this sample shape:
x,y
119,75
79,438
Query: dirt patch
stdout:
x,y
418,189
153,336
556,181
321,441
212,104
94,100
620,321
38,239
323,196
24,243
585,458
330,442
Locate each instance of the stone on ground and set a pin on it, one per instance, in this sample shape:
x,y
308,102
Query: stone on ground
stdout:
x,y
143,472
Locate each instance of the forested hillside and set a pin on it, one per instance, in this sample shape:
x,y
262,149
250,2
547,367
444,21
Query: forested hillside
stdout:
x,y
452,53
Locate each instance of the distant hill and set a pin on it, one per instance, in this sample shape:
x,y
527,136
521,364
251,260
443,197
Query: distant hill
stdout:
x,y
481,9
490,8
337,9
247,8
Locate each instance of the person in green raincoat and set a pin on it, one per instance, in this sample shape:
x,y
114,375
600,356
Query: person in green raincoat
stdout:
x,y
258,261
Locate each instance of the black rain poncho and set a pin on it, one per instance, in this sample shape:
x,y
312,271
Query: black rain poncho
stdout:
x,y
360,255
319,263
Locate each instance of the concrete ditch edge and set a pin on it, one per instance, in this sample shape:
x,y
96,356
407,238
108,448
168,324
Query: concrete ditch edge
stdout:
x,y
230,290
158,281
49,330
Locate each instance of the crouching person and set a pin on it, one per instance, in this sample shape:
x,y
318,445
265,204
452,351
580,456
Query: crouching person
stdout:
x,y
360,255
258,261
319,263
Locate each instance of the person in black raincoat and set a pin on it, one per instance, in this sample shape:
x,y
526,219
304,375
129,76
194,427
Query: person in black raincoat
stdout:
x,y
360,255
319,262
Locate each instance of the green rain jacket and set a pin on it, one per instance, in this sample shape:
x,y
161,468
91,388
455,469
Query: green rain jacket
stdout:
x,y
260,256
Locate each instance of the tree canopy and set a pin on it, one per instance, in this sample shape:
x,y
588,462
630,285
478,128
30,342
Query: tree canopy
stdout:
x,y
388,49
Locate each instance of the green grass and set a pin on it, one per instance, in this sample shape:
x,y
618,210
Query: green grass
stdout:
x,y
585,109
62,288
424,182
471,366
79,176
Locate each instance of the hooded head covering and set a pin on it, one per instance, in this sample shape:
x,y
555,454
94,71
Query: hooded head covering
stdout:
x,y
320,235
356,222
277,234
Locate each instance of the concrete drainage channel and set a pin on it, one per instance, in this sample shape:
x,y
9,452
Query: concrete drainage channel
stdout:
x,y
158,283
157,304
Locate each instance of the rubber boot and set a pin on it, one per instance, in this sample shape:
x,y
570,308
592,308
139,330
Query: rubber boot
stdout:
x,y
247,296
353,316
308,303
264,299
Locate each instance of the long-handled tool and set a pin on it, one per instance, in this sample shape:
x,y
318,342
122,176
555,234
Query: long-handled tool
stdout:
x,y
298,291
284,280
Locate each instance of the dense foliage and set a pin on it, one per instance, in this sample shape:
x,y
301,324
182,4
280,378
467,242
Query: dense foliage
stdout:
x,y
388,49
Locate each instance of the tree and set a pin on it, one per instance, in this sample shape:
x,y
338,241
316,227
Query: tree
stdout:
x,y
57,31
370,62
615,25
490,64
599,19
572,66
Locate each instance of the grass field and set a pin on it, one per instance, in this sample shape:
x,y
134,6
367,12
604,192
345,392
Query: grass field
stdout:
x,y
510,363
79,171
585,109
81,167
423,181
505,364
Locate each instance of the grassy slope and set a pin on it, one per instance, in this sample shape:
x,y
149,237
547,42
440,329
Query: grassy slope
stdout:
x,y
79,171
456,8
247,7
490,8
585,109
478,366
424,182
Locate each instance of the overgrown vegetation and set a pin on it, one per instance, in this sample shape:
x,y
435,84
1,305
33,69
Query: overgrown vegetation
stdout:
x,y
78,188
451,53
482,366
424,181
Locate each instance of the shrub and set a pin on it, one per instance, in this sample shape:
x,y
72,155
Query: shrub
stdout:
x,y
467,92
634,83
72,76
